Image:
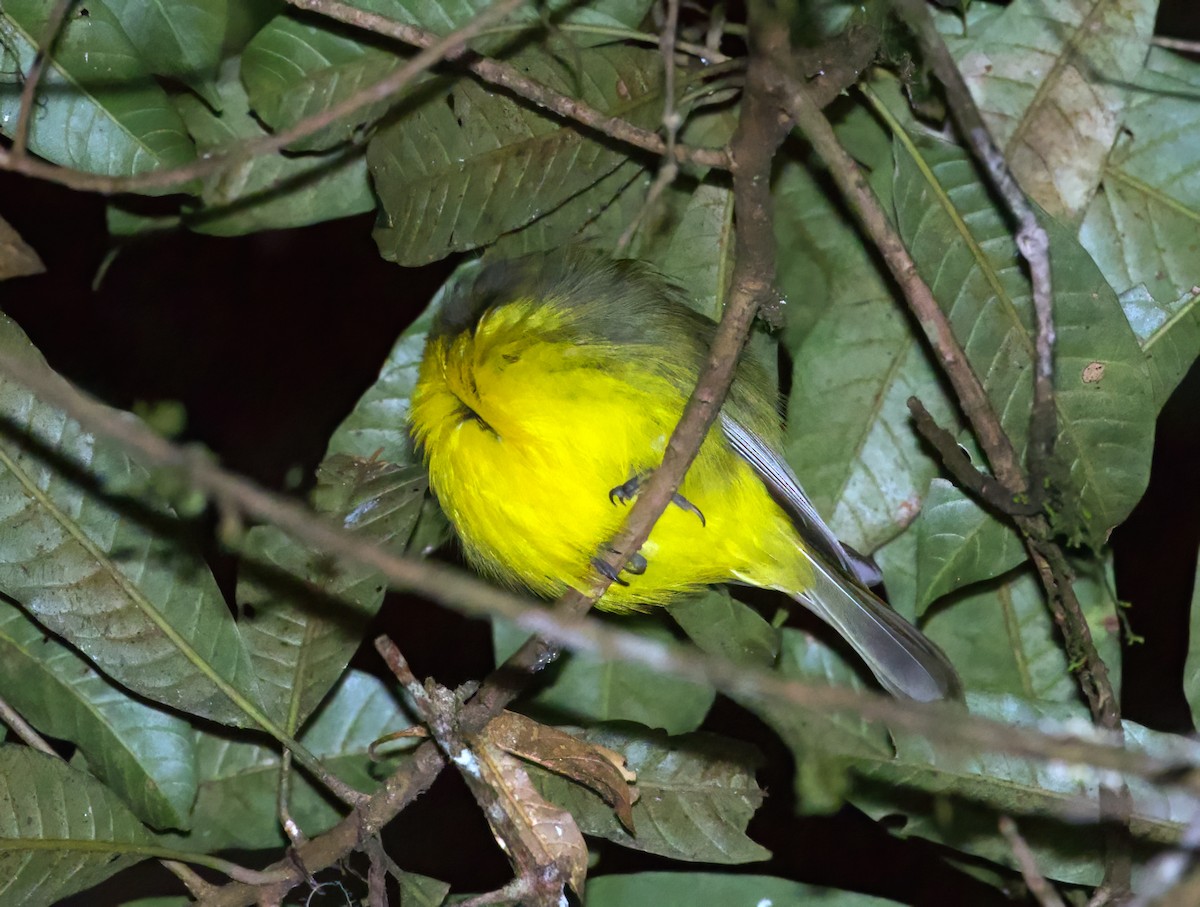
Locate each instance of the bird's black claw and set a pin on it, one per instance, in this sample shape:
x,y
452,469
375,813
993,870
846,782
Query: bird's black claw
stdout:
x,y
626,492
629,490
603,566
684,504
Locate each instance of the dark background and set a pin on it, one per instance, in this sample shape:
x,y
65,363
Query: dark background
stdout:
x,y
268,341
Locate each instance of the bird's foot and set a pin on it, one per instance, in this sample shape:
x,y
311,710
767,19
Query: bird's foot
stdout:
x,y
629,490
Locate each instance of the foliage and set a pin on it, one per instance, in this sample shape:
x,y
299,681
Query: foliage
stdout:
x,y
117,643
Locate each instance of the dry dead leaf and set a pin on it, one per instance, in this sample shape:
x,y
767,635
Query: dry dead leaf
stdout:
x,y
17,258
545,834
595,767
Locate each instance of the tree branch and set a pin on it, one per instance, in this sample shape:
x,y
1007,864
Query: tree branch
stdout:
x,y
457,590
504,75
451,45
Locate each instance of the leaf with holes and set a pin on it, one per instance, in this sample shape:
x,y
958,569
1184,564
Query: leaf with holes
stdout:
x,y
963,248
98,108
112,576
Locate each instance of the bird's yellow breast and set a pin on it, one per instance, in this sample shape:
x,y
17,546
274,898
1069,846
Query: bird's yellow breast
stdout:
x,y
527,431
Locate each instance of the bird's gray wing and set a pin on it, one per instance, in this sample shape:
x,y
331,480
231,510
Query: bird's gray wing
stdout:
x,y
783,484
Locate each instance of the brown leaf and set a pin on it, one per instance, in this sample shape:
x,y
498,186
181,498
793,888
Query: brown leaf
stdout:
x,y
545,834
595,767
17,259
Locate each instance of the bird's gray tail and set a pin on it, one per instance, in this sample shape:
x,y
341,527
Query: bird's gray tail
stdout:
x,y
904,660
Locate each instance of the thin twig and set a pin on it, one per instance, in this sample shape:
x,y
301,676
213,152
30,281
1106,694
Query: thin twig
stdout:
x,y
1180,44
1032,240
439,49
997,446
668,170
956,460
539,878
1042,891
496,72
852,183
760,131
196,885
1165,879
283,794
34,76
24,730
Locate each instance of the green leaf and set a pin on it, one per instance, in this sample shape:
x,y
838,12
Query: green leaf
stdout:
x,y
271,191
470,164
1140,227
421,891
697,794
699,257
962,246
301,642
959,543
1003,639
1191,670
860,459
98,108
237,803
951,796
820,741
680,889
581,687
309,610
596,216
295,68
898,561
821,259
721,625
377,427
180,39
1169,334
143,754
118,584
61,831
1050,78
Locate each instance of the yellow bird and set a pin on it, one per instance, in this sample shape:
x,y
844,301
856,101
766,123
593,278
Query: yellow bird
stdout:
x,y
547,392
